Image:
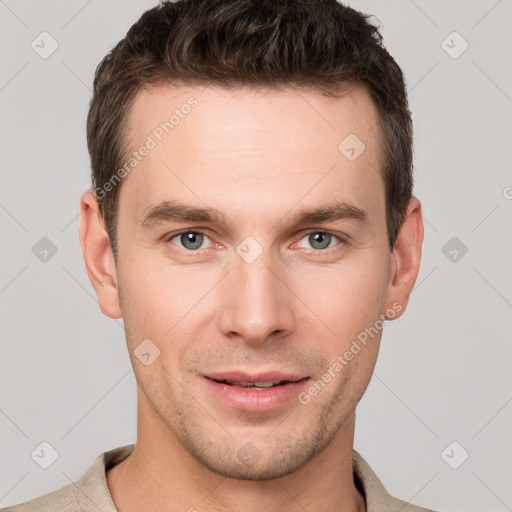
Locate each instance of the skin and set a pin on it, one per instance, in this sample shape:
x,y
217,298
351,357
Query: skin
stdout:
x,y
258,157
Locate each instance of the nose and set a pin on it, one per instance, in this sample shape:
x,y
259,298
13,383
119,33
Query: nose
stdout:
x,y
256,303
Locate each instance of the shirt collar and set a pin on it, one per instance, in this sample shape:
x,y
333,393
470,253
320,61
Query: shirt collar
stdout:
x,y
93,483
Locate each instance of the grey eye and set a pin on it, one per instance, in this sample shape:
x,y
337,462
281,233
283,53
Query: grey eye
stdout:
x,y
319,240
191,240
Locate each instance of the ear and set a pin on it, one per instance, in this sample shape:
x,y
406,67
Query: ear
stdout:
x,y
405,258
98,257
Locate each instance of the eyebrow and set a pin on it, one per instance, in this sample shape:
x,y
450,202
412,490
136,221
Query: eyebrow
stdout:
x,y
168,211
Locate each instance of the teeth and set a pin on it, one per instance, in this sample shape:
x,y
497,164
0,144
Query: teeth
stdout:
x,y
266,383
260,384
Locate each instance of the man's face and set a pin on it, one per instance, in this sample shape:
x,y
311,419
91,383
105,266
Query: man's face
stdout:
x,y
257,294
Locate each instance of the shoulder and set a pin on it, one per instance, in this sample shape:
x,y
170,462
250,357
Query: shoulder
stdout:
x,y
377,497
63,499
90,492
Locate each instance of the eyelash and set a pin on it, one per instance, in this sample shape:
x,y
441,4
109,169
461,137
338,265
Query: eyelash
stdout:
x,y
341,240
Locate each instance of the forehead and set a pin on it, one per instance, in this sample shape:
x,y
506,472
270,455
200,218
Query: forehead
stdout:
x,y
252,146
251,117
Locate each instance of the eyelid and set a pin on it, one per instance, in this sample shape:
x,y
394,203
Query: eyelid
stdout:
x,y
341,238
170,236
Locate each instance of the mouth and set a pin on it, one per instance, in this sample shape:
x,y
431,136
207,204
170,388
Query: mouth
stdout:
x,y
263,384
255,392
260,380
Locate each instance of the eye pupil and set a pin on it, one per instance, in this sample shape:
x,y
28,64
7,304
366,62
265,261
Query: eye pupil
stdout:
x,y
194,239
324,240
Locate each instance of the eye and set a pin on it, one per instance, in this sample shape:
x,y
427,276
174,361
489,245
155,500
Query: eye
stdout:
x,y
190,240
320,240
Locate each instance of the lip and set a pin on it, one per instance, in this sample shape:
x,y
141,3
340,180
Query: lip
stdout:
x,y
239,376
255,400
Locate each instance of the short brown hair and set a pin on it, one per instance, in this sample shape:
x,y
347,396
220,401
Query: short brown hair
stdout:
x,y
319,45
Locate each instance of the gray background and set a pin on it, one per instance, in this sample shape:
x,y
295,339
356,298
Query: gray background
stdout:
x,y
444,369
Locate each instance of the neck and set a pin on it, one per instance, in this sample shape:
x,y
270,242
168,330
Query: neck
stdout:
x,y
161,475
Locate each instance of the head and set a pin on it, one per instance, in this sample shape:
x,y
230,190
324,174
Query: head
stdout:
x,y
285,127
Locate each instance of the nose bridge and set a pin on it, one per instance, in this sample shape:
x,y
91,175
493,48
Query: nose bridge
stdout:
x,y
256,303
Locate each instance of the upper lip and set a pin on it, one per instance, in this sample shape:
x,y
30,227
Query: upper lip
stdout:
x,y
239,376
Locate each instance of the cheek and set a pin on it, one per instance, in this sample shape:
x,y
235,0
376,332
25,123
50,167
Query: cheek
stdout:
x,y
346,298
159,301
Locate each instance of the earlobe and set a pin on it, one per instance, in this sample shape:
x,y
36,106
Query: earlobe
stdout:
x,y
406,257
98,257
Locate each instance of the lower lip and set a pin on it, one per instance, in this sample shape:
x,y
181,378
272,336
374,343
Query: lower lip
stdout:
x,y
256,400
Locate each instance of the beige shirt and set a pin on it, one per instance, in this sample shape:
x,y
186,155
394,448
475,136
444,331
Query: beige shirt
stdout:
x,y
90,492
